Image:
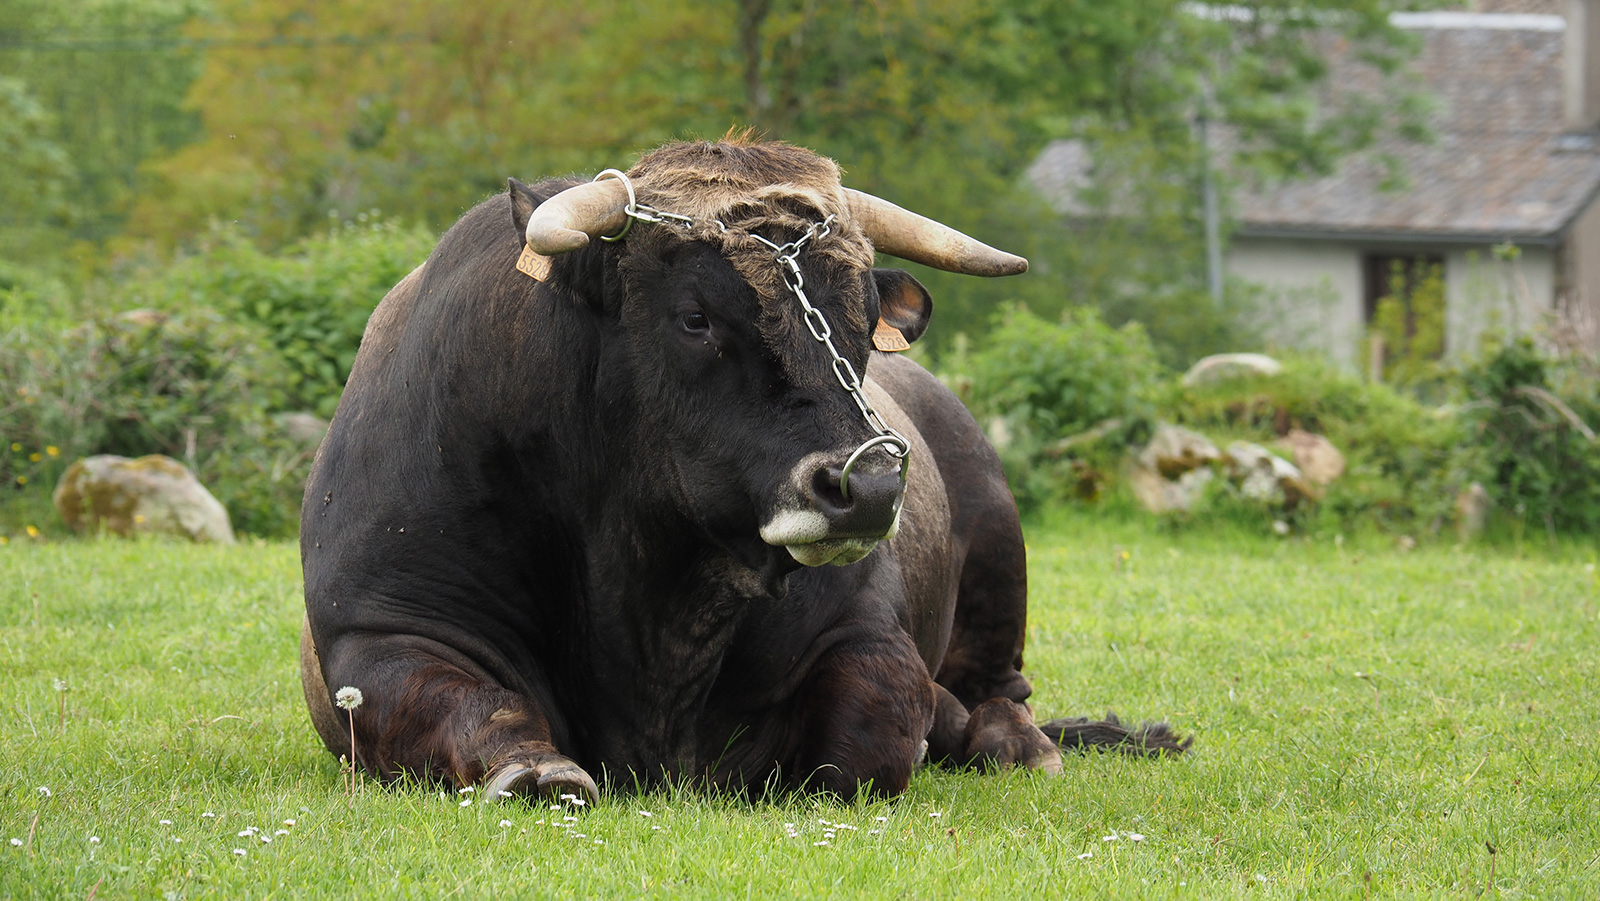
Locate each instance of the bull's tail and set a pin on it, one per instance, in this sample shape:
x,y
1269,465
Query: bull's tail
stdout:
x,y
1109,734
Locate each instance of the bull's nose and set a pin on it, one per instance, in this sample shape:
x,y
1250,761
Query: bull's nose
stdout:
x,y
867,510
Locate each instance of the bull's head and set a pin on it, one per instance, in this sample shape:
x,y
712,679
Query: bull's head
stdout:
x,y
765,434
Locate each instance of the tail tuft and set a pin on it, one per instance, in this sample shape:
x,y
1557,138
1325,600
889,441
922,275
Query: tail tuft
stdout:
x,y
1109,734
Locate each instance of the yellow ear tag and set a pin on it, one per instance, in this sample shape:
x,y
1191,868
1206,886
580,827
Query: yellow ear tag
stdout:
x,y
888,339
534,265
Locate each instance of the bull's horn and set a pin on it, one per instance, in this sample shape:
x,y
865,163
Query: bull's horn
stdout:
x,y
901,233
568,220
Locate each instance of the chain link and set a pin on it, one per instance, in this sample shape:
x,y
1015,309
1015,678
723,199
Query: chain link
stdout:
x,y
787,256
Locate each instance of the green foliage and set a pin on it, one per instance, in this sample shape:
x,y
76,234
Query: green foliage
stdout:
x,y
1410,321
1402,468
111,75
311,301
1532,418
193,387
1038,382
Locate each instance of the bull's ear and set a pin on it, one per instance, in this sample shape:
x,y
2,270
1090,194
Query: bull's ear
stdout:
x,y
523,202
903,302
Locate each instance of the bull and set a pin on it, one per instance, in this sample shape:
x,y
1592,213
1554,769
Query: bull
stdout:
x,y
655,508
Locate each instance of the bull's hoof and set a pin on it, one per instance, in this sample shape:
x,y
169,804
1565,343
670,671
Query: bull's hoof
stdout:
x,y
542,779
1110,734
1000,733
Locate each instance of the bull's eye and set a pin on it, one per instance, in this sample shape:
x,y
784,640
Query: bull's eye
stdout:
x,y
694,321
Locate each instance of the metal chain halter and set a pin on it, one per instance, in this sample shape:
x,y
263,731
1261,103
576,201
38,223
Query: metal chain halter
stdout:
x,y
787,257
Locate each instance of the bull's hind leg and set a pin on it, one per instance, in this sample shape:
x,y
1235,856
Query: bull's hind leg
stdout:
x,y
428,717
982,668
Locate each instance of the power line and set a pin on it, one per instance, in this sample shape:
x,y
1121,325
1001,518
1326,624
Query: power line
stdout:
x,y
70,44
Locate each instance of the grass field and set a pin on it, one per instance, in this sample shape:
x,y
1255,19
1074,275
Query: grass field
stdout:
x,y
1368,723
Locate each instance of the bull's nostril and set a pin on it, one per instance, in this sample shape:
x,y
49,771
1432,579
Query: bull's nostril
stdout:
x,y
826,488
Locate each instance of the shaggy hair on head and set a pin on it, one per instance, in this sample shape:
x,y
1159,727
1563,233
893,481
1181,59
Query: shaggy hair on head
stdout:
x,y
774,190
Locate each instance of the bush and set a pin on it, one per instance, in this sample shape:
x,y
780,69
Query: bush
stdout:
x,y
194,387
1401,466
1061,399
1532,417
312,300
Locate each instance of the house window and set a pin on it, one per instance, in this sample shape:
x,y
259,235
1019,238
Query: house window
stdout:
x,y
1404,305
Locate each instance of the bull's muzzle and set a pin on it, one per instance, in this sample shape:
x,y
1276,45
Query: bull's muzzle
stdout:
x,y
843,509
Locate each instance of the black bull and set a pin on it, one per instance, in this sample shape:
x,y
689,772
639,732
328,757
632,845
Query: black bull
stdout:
x,y
556,527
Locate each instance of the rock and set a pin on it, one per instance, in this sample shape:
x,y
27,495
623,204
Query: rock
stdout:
x,y
1472,511
1264,476
1220,367
154,495
302,428
1319,461
1159,494
1174,450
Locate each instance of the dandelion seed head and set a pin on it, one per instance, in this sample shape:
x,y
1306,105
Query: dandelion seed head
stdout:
x,y
1134,836
504,823
16,843
45,791
178,839
94,839
348,697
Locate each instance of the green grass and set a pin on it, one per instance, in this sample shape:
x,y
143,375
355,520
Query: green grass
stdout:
x,y
1367,722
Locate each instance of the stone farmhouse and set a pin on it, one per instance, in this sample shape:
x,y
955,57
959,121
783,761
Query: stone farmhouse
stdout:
x,y
1501,204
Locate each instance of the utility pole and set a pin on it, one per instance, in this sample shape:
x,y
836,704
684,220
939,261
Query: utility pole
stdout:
x,y
1212,216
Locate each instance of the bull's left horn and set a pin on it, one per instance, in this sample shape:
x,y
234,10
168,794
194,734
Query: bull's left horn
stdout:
x,y
898,232
568,220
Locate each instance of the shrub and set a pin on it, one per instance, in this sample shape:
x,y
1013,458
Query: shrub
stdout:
x,y
1401,466
1061,399
312,300
1532,417
194,387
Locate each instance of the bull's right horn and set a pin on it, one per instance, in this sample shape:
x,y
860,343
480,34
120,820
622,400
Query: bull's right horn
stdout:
x,y
898,232
567,221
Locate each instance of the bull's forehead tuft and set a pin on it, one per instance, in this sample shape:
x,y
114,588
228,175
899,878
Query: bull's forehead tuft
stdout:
x,y
776,191
772,189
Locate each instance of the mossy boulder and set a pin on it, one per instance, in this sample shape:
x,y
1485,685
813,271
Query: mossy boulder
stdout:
x,y
148,495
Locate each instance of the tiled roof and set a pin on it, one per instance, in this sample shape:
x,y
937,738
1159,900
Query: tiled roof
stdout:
x,y
1500,167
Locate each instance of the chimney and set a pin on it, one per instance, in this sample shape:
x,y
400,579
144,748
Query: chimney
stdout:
x,y
1582,55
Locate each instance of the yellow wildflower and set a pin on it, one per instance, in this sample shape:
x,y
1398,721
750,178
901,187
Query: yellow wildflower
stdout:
x,y
53,451
33,531
16,446
35,457
22,480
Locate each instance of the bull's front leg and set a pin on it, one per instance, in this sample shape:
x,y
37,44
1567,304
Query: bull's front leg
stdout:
x,y
864,716
427,716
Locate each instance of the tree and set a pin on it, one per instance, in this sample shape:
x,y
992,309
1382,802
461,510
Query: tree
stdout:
x,y
314,110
